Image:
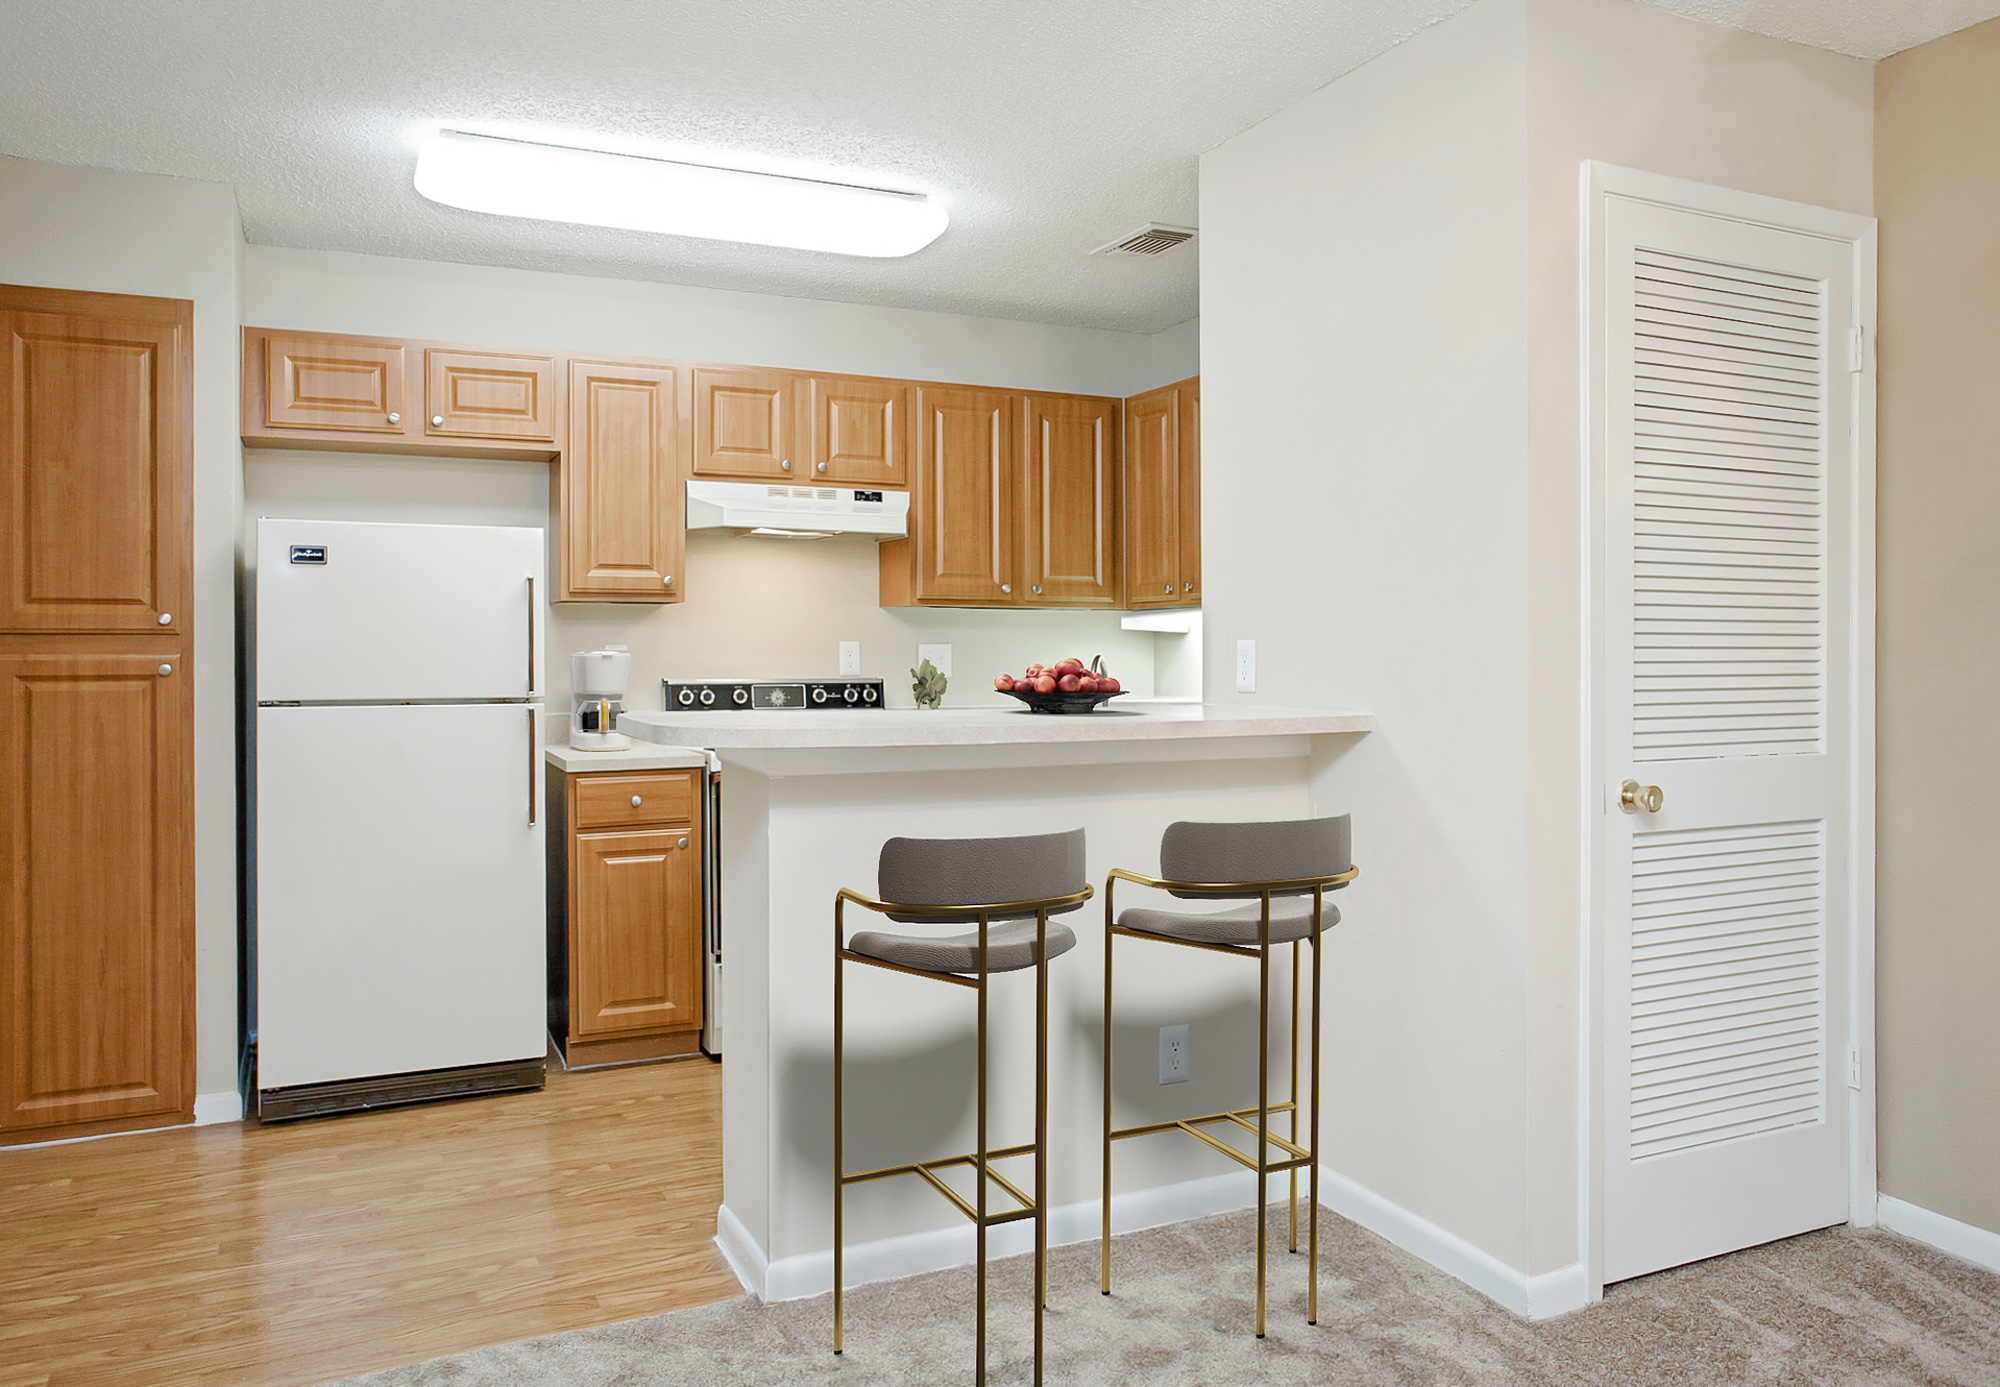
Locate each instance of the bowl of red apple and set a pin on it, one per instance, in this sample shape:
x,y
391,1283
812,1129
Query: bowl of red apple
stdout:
x,y
1067,686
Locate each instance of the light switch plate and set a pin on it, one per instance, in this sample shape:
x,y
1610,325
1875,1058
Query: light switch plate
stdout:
x,y
1174,1054
938,655
1246,667
850,657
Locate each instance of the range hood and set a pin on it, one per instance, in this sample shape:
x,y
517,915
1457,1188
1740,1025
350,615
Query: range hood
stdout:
x,y
797,512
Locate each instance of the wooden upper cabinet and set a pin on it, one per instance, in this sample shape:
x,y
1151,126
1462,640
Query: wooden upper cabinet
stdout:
x,y
1070,466
860,431
96,874
469,394
1152,499
96,525
964,509
1190,491
746,425
635,920
619,500
339,384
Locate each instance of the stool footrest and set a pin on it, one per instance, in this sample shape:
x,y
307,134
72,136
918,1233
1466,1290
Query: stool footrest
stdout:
x,y
1243,1118
927,1172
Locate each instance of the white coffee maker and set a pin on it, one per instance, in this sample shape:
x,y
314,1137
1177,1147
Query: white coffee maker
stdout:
x,y
597,682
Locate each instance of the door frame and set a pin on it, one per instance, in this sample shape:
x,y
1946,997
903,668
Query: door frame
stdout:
x,y
1599,183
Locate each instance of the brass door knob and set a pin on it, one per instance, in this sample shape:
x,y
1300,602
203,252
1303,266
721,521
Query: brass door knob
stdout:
x,y
1632,797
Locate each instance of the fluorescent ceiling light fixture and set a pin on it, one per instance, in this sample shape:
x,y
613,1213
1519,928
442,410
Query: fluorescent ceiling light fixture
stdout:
x,y
518,178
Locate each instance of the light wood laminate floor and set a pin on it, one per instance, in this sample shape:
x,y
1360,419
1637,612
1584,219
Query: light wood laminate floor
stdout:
x,y
308,1251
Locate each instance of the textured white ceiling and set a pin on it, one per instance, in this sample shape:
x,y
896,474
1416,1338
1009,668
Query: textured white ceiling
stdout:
x,y
1047,126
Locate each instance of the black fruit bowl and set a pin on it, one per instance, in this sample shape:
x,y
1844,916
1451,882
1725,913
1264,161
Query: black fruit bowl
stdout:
x,y
1062,702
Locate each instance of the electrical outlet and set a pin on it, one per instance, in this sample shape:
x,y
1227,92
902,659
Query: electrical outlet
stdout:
x,y
1173,1054
850,657
938,655
1246,667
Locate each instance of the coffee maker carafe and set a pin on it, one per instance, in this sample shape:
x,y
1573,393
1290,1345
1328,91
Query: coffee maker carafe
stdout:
x,y
597,681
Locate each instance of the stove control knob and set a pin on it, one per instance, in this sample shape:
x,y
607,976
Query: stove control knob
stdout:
x,y
850,695
868,694
819,695
687,698
740,697
708,698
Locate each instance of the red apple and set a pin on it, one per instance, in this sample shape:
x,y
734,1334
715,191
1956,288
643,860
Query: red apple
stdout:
x,y
1045,682
1069,683
1070,666
1107,685
1034,670
1086,683
1004,683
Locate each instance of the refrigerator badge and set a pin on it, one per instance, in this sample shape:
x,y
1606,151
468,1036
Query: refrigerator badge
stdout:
x,y
309,553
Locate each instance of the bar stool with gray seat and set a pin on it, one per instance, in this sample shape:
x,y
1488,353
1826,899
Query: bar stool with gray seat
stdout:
x,y
1007,888
1284,870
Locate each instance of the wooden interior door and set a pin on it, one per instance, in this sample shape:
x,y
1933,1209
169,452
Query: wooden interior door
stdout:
x,y
499,395
1189,501
1153,499
968,531
95,520
96,872
350,385
635,917
861,431
745,425
620,500
1070,461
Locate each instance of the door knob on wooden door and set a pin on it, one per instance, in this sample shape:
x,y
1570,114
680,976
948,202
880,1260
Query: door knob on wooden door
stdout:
x,y
1632,797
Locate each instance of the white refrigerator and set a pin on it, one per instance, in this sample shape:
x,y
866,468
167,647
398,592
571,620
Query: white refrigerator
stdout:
x,y
399,941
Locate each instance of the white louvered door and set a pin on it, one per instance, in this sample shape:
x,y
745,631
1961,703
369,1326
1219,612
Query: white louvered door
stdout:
x,y
1729,452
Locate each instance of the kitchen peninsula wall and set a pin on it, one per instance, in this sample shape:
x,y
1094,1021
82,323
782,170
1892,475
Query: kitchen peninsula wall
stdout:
x,y
752,606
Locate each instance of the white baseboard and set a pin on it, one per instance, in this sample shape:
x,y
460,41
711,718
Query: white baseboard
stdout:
x,y
217,1107
1534,1297
740,1250
1977,1245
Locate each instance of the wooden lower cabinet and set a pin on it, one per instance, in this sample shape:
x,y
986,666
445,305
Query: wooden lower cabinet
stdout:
x,y
97,879
625,960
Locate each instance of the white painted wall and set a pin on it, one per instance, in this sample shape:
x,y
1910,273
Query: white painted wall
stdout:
x,y
74,228
1176,352
1363,344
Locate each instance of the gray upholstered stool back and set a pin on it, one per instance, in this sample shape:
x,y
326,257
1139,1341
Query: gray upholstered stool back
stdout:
x,y
980,871
1284,850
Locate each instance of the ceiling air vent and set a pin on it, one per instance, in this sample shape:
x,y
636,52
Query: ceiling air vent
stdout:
x,y
1150,239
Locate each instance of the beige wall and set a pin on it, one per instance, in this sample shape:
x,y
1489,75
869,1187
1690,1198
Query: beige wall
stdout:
x,y
1626,84
1937,182
72,228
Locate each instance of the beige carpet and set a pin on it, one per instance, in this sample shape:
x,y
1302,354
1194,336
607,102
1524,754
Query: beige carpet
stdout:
x,y
1833,1307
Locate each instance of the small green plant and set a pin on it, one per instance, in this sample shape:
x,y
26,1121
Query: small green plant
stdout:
x,y
928,686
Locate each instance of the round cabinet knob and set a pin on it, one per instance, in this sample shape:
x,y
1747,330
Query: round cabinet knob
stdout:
x,y
166,618
666,580
785,466
1632,797
166,670
820,468
1037,589
437,421
1006,587
395,418
683,843
637,801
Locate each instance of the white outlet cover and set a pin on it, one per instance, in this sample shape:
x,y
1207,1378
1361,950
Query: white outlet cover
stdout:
x,y
1246,667
938,655
1174,1054
850,657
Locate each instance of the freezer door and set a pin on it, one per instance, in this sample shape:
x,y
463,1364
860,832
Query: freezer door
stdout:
x,y
353,612
400,908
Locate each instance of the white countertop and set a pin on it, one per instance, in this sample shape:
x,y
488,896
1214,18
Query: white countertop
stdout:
x,y
640,756
969,727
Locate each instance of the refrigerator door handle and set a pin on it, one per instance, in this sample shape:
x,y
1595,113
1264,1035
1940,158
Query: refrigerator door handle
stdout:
x,y
531,635
531,763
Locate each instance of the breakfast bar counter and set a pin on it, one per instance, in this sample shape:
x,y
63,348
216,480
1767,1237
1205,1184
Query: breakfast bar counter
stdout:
x,y
808,798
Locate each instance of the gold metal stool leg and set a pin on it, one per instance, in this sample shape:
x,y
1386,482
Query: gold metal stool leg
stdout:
x,y
1292,1069
1041,1131
1312,1213
979,1224
1104,1190
1263,1089
839,1116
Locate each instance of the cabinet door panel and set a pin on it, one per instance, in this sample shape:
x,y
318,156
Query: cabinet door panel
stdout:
x,y
94,521
965,511
489,395
635,913
1190,492
1071,456
621,499
861,432
328,383
96,874
1152,499
743,424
